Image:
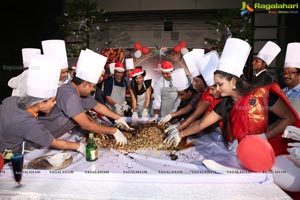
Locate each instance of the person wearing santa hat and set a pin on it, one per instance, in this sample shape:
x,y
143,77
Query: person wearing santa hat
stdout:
x,y
18,83
241,106
261,61
19,115
140,92
74,100
115,88
165,94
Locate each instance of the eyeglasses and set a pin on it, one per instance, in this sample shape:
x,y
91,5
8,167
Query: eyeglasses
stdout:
x,y
289,73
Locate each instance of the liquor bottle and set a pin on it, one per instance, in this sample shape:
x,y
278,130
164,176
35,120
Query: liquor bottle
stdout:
x,y
91,148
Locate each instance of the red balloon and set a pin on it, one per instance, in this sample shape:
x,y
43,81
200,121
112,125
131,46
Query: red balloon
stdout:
x,y
1,162
137,46
182,44
256,154
145,50
177,49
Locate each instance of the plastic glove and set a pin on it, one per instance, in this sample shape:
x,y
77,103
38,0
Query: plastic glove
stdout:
x,y
120,138
145,113
125,107
81,148
119,109
122,123
154,118
233,146
263,136
294,150
292,132
171,127
135,117
165,119
173,138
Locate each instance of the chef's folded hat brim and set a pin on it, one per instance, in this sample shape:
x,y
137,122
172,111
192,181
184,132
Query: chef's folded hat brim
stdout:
x,y
234,56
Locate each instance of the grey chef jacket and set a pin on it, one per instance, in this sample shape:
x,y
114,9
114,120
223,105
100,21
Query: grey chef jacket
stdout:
x,y
68,104
18,125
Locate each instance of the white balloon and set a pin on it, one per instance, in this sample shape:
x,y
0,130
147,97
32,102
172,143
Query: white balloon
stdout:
x,y
184,51
138,54
286,174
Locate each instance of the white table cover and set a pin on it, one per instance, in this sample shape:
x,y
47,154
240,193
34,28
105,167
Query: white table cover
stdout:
x,y
144,174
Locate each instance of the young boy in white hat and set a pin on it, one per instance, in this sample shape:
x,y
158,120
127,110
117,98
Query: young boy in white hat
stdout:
x,y
19,115
261,61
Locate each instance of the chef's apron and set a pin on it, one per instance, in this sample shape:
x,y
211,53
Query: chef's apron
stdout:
x,y
295,102
117,94
140,102
169,100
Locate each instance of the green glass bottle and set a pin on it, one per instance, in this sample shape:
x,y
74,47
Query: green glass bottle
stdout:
x,y
91,148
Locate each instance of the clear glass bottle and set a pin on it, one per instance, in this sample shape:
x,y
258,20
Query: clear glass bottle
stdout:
x,y
91,148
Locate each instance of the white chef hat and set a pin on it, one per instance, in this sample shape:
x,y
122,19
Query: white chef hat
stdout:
x,y
269,52
234,56
90,65
180,79
207,71
292,58
112,68
191,58
57,49
43,76
129,63
27,53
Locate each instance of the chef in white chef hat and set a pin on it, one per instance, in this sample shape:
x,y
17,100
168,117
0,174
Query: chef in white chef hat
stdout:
x,y
18,83
184,90
19,114
291,74
57,49
74,100
261,61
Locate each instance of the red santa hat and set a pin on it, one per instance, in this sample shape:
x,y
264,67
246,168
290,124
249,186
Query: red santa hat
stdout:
x,y
137,71
74,66
119,66
166,66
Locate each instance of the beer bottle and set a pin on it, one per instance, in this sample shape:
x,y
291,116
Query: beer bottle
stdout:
x,y
91,148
